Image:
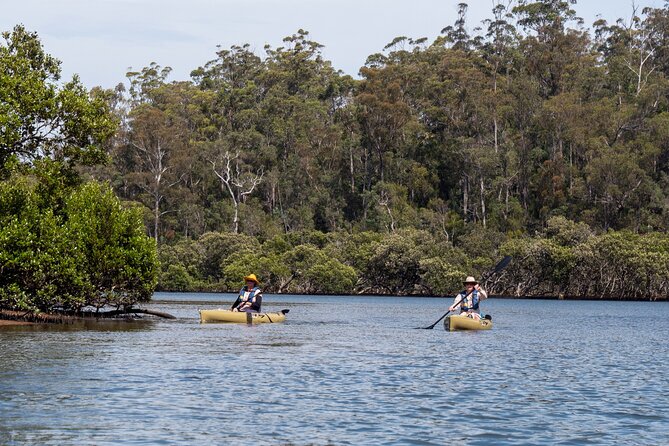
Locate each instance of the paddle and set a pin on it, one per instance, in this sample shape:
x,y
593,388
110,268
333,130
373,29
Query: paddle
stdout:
x,y
499,267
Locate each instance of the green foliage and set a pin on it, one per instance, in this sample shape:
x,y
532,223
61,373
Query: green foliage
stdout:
x,y
566,232
272,272
186,253
242,265
176,278
441,277
354,249
38,117
90,252
220,248
330,277
120,260
39,263
394,265
616,265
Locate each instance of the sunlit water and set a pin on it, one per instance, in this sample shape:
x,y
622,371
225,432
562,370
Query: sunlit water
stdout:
x,y
343,370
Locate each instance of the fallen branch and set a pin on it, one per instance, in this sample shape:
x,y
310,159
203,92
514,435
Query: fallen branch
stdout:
x,y
138,311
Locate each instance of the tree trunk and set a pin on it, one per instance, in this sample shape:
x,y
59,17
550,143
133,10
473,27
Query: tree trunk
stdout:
x,y
156,218
483,216
465,196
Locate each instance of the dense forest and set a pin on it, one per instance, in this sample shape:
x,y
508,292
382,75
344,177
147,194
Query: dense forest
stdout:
x,y
534,135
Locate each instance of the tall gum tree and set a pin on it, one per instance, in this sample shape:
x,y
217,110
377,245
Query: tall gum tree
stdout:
x,y
158,134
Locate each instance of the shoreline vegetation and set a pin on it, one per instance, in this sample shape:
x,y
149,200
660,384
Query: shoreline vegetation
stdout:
x,y
537,138
566,260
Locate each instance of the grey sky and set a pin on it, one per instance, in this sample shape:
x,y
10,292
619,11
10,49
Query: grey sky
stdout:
x,y
101,39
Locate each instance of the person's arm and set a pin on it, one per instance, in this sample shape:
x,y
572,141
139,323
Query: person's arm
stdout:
x,y
457,300
482,293
237,302
257,302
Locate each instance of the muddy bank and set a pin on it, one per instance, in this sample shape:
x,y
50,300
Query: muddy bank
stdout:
x,y
7,323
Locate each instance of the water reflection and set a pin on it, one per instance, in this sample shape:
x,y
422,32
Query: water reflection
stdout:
x,y
84,325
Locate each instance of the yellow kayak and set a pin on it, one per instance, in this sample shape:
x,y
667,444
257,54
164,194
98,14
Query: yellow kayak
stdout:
x,y
454,322
238,317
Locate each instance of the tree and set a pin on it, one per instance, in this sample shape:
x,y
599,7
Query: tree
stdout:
x,y
40,118
64,244
152,143
553,48
237,183
119,261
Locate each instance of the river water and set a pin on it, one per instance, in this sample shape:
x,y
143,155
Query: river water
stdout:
x,y
343,370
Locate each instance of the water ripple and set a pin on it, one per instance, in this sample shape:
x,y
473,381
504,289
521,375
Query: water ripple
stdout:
x,y
332,374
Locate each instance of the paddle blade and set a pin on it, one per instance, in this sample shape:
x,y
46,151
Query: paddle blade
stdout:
x,y
430,327
424,328
502,263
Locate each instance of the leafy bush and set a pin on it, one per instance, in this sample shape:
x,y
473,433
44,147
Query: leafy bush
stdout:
x,y
176,278
90,252
440,277
330,277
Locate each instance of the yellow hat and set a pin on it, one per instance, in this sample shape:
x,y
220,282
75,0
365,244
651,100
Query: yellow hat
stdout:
x,y
251,278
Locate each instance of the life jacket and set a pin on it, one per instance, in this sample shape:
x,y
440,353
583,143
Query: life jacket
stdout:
x,y
474,300
251,297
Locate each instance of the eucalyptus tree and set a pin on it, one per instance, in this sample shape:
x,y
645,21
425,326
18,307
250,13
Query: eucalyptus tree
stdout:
x,y
502,64
385,112
550,43
637,92
657,23
235,180
299,120
231,144
155,154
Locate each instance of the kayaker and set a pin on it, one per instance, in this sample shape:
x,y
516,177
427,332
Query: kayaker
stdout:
x,y
470,305
250,296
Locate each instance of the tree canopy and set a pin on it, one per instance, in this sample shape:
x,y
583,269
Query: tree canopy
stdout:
x,y
534,117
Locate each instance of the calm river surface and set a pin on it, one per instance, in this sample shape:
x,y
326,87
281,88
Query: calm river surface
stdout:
x,y
343,370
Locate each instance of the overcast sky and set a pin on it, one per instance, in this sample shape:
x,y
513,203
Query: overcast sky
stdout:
x,y
101,39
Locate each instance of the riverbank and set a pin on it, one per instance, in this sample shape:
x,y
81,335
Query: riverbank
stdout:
x,y
21,317
8,323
